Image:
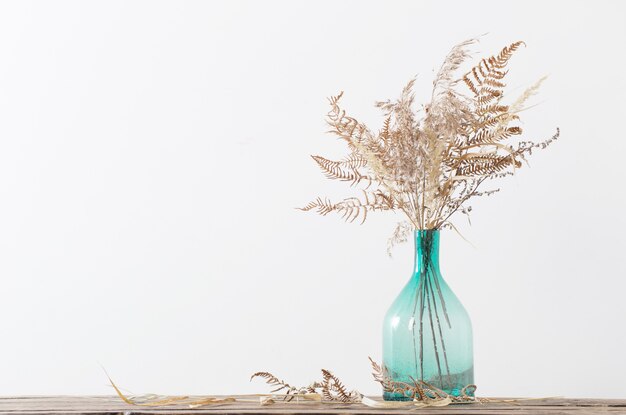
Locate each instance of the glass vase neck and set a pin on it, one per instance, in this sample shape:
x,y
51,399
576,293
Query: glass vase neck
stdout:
x,y
426,251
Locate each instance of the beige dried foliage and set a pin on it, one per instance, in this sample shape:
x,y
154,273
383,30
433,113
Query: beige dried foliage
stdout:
x,y
420,391
429,163
330,388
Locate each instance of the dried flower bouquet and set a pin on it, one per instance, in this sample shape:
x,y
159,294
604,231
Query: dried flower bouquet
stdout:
x,y
428,162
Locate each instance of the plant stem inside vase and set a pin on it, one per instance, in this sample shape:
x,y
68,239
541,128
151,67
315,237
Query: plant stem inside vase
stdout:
x,y
427,333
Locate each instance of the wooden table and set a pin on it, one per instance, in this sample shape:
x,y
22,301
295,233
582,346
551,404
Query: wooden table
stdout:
x,y
113,405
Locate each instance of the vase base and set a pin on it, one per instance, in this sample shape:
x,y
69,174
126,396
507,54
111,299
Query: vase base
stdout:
x,y
389,396
454,386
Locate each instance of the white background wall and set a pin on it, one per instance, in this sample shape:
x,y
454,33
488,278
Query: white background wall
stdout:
x,y
152,154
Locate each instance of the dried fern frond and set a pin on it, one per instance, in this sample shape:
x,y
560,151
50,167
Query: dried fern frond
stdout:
x,y
330,388
345,170
485,78
279,385
352,208
333,389
429,161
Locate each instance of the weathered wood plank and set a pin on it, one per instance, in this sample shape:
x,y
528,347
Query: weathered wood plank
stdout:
x,y
112,405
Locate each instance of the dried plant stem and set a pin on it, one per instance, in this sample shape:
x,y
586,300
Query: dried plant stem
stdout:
x,y
443,302
427,293
443,343
427,300
418,297
432,329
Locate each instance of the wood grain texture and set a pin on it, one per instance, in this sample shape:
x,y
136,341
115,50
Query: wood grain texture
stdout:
x,y
102,405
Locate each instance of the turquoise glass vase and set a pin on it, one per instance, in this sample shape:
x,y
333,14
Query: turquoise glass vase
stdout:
x,y
427,333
